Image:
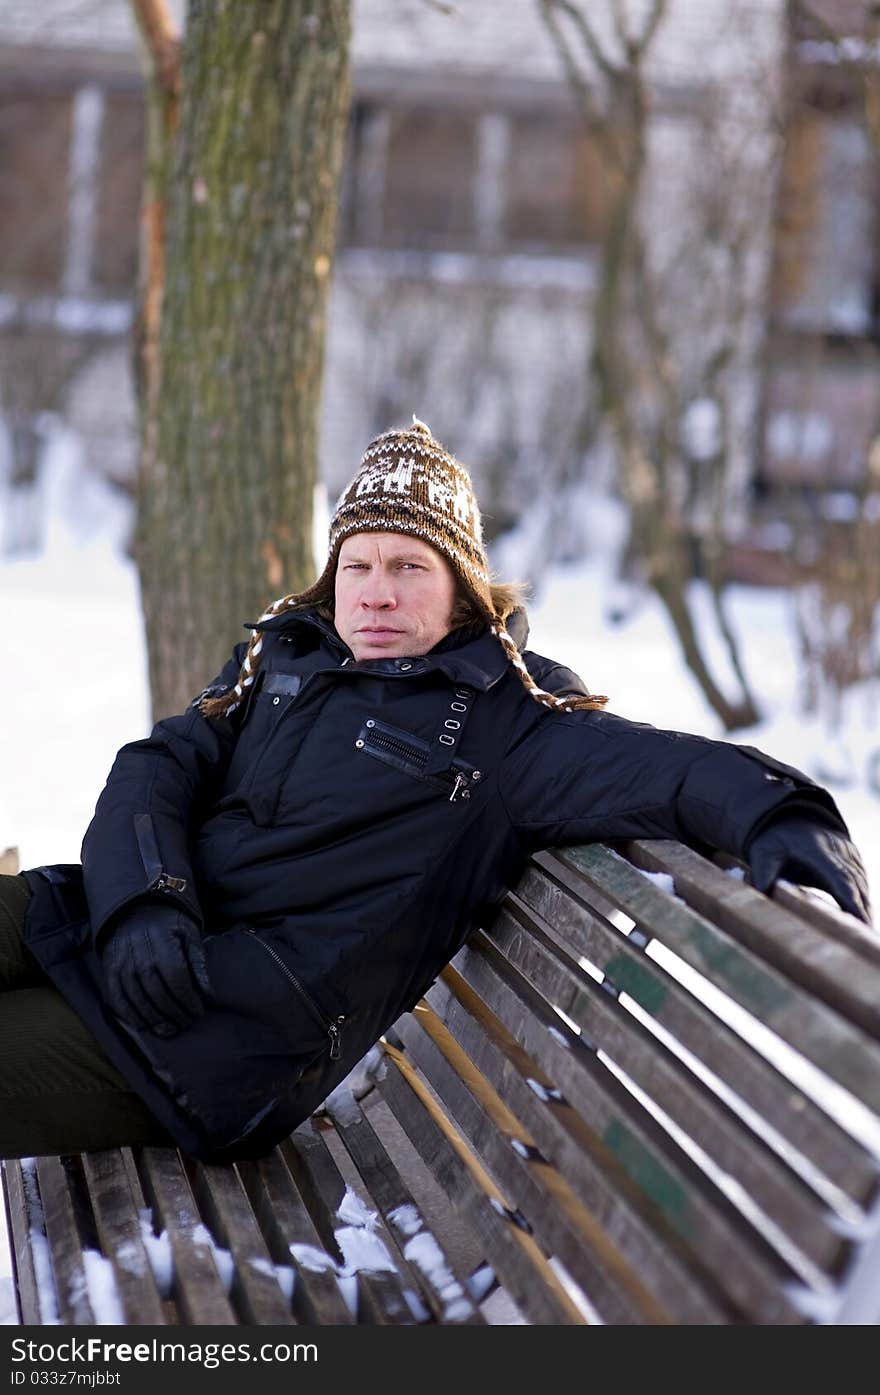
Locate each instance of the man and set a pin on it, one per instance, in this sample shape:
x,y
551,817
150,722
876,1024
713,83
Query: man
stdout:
x,y
272,878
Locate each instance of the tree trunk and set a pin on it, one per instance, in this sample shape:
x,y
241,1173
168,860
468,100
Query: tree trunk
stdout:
x,y
229,431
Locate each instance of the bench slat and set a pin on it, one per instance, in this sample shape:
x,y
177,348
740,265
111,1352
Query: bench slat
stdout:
x,y
830,970
435,1276
381,1297
538,976
552,892
518,1262
832,921
25,1225
728,1273
68,1263
292,1239
223,1202
844,1053
115,1208
196,1284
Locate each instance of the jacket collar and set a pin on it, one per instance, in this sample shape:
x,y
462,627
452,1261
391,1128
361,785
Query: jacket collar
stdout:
x,y
471,655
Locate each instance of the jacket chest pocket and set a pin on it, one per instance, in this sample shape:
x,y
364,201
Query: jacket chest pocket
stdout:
x,y
410,754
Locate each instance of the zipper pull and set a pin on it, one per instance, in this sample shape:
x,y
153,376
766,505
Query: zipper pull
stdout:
x,y
335,1043
459,788
165,883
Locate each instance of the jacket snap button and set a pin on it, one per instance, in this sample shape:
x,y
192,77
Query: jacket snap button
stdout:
x,y
404,667
275,701
359,744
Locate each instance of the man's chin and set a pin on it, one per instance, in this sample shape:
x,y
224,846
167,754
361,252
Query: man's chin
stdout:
x,y
383,649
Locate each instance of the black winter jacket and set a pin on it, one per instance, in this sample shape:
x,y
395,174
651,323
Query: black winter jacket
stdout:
x,y
337,838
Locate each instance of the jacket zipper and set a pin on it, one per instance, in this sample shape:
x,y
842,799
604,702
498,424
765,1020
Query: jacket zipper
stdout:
x,y
331,1028
397,747
417,757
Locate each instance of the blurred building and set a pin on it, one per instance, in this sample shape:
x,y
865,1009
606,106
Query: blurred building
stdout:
x,y
473,208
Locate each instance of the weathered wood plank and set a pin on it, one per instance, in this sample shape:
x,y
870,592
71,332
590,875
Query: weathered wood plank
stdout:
x,y
25,1221
381,1296
196,1283
831,920
255,1293
436,1277
831,971
554,891
65,1245
518,1261
706,1263
115,1209
545,977
292,1239
846,1054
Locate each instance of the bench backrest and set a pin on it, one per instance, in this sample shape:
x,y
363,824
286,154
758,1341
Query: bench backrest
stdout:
x,y
676,1093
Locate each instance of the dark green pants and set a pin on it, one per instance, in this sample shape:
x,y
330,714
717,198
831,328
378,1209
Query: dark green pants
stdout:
x,y
58,1092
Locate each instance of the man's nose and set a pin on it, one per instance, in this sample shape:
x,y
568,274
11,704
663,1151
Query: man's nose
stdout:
x,y
378,592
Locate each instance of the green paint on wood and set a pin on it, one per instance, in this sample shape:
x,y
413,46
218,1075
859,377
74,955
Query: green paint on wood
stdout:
x,y
650,1175
629,976
750,983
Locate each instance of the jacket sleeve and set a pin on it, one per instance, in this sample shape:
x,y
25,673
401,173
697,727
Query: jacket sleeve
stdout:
x,y
138,842
593,776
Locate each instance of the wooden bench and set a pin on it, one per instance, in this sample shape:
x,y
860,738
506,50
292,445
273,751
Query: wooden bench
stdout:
x,y
619,1104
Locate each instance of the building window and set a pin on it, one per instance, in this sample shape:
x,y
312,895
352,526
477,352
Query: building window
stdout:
x,y
556,187
34,159
445,180
826,261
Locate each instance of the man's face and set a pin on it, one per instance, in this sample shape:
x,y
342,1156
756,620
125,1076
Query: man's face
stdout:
x,y
394,595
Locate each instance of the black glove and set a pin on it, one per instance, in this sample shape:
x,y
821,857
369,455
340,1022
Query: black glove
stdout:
x,y
810,853
155,976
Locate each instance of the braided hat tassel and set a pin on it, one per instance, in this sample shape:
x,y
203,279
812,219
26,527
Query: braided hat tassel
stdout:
x,y
569,703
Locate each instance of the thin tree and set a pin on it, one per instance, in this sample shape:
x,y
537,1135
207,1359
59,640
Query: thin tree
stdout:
x,y
664,340
245,138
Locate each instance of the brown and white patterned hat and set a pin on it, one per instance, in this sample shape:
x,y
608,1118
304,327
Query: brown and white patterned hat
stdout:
x,y
407,482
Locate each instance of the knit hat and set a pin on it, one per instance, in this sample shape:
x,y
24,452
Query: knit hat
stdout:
x,y
407,482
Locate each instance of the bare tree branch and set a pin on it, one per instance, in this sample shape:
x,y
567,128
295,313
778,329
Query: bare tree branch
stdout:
x,y
580,85
620,18
162,41
658,13
584,28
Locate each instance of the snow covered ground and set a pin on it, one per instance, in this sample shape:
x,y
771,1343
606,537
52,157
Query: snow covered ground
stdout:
x,y
75,675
